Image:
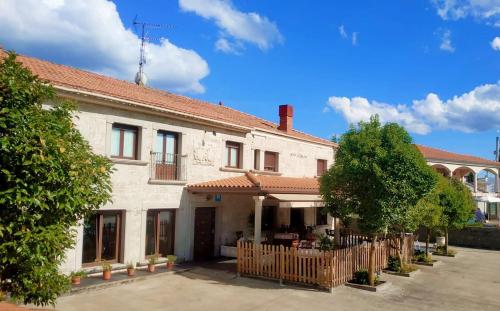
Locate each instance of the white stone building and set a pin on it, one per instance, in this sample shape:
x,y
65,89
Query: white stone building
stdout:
x,y
480,175
161,143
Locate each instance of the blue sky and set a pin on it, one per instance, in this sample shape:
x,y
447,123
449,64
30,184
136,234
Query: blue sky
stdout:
x,y
335,61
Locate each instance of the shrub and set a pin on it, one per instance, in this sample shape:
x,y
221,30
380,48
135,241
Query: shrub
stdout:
x,y
419,256
393,264
441,250
152,260
130,265
79,273
361,277
106,266
325,243
171,258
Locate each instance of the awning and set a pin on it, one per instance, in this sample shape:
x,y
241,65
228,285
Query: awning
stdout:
x,y
297,200
487,199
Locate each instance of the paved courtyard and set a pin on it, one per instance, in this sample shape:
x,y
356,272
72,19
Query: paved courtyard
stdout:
x,y
469,282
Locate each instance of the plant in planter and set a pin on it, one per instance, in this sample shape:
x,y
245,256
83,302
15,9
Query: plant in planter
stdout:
x,y
77,276
130,269
393,264
151,263
171,261
441,251
361,277
106,271
421,256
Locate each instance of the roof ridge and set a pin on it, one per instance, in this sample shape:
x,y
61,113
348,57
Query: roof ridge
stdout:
x,y
477,158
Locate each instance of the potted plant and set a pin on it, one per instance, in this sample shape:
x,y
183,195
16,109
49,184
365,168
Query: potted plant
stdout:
x,y
130,269
170,261
151,263
77,276
106,271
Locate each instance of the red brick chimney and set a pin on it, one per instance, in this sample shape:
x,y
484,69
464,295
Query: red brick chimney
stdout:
x,y
286,118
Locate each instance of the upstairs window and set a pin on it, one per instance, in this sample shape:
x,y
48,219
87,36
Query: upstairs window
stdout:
x,y
271,161
124,141
256,159
322,166
233,154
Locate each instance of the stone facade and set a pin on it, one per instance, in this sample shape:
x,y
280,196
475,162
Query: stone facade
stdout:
x,y
201,147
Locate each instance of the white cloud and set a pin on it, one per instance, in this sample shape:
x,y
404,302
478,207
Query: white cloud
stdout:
x,y
226,46
446,44
90,34
477,110
345,35
342,32
354,38
242,27
487,11
495,44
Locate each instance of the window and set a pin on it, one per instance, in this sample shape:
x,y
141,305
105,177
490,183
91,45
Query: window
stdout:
x,y
322,166
233,154
165,157
124,141
256,159
101,237
321,219
160,232
271,161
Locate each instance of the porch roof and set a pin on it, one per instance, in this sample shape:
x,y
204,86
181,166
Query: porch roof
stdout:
x,y
258,185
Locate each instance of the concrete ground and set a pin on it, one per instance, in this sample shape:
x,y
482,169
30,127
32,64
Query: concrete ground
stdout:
x,y
471,281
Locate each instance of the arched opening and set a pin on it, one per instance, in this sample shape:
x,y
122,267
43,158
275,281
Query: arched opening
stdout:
x,y
486,181
441,169
466,175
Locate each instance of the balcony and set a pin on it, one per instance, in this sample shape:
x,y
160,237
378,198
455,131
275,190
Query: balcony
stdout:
x,y
167,167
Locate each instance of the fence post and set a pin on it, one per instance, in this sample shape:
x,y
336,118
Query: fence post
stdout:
x,y
282,264
238,258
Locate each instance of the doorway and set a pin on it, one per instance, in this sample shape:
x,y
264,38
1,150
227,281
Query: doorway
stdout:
x,y
204,233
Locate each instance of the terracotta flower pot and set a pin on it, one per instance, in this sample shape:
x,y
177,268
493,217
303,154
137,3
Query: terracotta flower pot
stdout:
x,y
151,268
75,280
130,271
170,265
106,275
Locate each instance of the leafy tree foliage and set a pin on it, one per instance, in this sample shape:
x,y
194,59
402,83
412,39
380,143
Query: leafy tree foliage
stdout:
x,y
49,179
457,206
378,175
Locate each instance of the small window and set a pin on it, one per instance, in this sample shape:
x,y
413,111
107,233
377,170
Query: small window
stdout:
x,y
256,159
321,219
322,167
271,161
124,141
233,154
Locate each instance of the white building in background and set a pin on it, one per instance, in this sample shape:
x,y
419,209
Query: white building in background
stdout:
x,y
160,143
480,175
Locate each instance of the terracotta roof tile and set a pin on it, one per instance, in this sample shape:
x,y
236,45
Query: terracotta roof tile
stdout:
x,y
438,154
259,184
69,77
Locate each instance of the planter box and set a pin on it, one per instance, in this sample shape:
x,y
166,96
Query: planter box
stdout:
x,y
405,274
444,255
430,264
380,286
228,251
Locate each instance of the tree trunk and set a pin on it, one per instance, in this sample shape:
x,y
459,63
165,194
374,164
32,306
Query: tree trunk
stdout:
x,y
427,239
336,231
400,249
446,241
371,264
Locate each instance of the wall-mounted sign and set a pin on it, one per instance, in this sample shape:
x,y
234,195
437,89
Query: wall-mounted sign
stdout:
x,y
218,197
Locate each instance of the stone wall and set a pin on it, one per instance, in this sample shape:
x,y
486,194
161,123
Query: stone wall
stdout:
x,y
487,238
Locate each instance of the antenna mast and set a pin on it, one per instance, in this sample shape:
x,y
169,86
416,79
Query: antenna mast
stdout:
x,y
140,77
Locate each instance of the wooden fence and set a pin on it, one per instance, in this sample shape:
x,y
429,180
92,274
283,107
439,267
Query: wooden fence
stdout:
x,y
311,266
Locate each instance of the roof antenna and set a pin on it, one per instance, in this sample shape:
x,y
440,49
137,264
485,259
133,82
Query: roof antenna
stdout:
x,y
140,76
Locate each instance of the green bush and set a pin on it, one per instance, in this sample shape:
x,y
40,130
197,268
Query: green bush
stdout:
x,y
419,256
393,264
361,277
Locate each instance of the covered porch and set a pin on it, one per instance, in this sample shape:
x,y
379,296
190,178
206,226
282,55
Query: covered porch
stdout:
x,y
265,209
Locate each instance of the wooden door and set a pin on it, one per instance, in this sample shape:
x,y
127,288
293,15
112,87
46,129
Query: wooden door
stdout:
x,y
204,233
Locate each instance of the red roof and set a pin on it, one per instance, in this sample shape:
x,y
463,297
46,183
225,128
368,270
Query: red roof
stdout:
x,y
69,77
442,155
259,184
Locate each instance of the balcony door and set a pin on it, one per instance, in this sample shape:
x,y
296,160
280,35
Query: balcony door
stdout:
x,y
165,156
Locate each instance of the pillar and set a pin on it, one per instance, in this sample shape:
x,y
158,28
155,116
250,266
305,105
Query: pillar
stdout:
x,y
258,218
475,182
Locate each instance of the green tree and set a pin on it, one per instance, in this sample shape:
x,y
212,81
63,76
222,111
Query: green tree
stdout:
x,y
378,175
49,179
429,212
457,206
